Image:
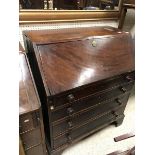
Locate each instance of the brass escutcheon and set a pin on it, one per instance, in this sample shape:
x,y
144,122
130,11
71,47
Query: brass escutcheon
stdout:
x,y
94,43
52,107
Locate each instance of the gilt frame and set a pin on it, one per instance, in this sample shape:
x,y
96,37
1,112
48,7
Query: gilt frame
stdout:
x,y
52,16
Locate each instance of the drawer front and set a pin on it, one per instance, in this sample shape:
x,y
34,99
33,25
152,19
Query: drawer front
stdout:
x,y
29,121
77,120
91,89
31,138
76,107
26,122
37,150
88,127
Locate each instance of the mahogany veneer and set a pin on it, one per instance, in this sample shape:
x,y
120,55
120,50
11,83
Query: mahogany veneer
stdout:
x,y
84,78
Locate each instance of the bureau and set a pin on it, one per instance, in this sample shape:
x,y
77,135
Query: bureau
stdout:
x,y
84,78
30,115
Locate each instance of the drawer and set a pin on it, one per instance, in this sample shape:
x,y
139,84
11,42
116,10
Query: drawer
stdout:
x,y
88,127
36,150
77,120
31,138
29,121
26,122
88,90
77,106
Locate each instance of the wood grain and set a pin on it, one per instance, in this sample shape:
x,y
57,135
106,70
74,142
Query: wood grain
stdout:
x,y
68,59
28,97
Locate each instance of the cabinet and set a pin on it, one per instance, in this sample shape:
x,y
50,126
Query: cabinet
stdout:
x,y
84,78
31,127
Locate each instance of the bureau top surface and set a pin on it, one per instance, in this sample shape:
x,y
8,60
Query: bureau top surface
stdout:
x,y
28,99
61,35
77,62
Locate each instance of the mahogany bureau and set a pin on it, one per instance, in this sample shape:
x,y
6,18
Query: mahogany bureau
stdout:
x,y
30,115
84,78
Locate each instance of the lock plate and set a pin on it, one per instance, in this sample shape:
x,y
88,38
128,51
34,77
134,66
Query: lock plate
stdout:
x,y
94,43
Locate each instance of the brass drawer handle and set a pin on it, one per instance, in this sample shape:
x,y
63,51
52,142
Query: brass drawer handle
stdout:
x,y
26,121
70,97
115,113
70,111
69,138
128,78
124,90
119,101
70,124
